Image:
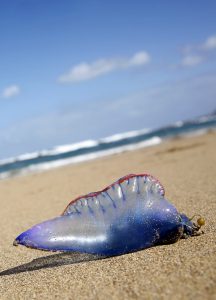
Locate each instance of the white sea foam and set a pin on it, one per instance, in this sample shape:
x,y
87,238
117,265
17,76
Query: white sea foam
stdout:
x,y
74,146
7,161
21,157
179,124
70,147
27,156
120,136
82,158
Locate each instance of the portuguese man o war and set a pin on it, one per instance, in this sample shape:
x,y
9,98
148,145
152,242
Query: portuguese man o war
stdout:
x,y
129,215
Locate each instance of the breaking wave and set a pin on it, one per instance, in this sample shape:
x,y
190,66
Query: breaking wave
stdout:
x,y
92,149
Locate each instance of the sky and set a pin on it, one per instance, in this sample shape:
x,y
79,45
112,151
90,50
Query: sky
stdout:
x,y
77,70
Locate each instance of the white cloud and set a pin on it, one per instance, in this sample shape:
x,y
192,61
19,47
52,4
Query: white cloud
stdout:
x,y
198,53
192,60
210,43
139,58
11,91
86,71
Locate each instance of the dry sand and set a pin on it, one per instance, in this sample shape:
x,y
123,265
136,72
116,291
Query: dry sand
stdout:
x,y
185,270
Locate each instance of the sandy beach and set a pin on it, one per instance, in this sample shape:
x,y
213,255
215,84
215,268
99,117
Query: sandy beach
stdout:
x,y
184,270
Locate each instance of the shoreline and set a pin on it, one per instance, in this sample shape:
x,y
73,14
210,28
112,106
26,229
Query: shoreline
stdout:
x,y
187,269
60,163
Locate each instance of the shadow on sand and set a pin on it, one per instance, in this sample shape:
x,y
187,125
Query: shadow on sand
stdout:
x,y
51,261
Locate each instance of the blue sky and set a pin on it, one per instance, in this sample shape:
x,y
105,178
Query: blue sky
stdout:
x,y
76,70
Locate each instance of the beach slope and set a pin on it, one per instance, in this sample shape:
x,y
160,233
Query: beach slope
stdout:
x,y
184,270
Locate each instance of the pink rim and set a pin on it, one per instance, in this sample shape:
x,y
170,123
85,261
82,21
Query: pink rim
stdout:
x,y
122,179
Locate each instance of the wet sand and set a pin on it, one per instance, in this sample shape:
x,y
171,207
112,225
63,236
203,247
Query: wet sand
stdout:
x,y
184,270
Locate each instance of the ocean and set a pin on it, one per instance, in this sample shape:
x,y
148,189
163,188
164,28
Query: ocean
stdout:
x,y
92,149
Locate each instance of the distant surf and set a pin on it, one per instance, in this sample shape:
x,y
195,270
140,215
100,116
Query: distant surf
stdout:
x,y
92,149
